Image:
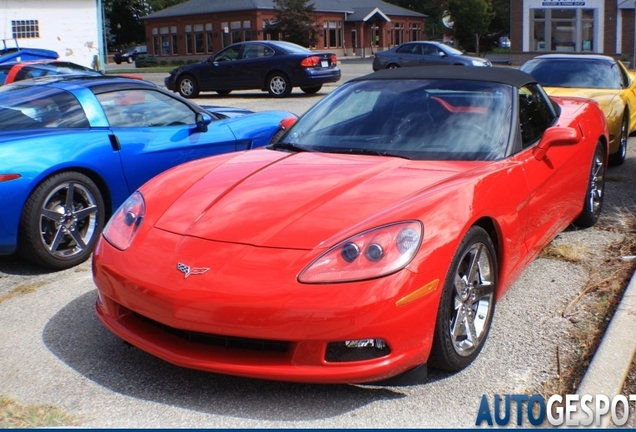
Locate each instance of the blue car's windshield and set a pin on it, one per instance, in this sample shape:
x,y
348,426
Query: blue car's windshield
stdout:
x,y
414,119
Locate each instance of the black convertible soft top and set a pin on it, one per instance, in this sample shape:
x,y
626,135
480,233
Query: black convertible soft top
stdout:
x,y
501,75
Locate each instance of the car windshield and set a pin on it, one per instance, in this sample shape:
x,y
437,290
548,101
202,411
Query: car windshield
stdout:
x,y
576,73
413,119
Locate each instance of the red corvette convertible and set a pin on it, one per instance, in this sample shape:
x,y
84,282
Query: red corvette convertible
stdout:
x,y
371,241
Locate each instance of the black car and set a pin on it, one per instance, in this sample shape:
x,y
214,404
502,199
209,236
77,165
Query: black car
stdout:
x,y
424,54
271,66
130,55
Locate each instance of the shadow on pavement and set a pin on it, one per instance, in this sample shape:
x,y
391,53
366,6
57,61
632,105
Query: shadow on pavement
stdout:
x,y
76,336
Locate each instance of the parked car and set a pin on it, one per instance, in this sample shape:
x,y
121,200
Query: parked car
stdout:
x,y
74,148
374,238
424,54
11,72
270,66
129,55
602,78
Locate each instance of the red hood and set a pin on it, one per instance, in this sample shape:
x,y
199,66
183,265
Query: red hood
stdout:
x,y
276,199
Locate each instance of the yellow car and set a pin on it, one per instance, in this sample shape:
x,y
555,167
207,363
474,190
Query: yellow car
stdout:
x,y
598,77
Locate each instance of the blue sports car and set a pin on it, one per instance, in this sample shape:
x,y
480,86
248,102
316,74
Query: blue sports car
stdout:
x,y
72,149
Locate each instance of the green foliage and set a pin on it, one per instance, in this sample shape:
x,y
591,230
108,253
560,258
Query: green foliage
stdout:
x,y
472,20
146,60
295,22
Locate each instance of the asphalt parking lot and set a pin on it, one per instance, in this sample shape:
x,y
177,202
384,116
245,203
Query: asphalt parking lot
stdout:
x,y
54,350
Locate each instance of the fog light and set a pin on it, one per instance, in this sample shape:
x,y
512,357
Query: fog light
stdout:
x,y
356,350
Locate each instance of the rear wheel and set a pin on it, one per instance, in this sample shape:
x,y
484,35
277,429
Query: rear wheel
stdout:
x,y
467,303
312,89
593,203
188,87
61,221
619,157
278,85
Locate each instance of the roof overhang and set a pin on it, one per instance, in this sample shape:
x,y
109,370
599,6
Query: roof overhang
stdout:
x,y
373,13
626,4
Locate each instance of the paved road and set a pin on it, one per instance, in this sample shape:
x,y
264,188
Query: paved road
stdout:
x,y
54,350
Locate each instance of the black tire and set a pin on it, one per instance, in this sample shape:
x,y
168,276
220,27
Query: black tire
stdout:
x,y
619,157
118,61
278,85
61,221
188,87
223,92
393,66
593,203
467,303
312,89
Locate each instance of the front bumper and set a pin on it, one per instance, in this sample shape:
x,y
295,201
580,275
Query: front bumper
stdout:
x,y
253,297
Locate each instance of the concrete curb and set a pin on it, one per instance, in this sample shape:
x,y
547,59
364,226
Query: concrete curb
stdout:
x,y
610,365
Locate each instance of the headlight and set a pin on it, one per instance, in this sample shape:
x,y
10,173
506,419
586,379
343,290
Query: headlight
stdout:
x,y
370,254
479,63
122,227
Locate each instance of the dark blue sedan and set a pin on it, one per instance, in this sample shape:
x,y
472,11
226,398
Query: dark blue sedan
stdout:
x,y
272,66
73,149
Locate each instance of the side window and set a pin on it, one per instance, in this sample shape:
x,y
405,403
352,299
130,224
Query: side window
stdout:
x,y
536,114
229,54
408,49
37,107
144,108
252,51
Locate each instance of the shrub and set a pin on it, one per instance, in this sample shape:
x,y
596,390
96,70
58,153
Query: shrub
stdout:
x,y
146,60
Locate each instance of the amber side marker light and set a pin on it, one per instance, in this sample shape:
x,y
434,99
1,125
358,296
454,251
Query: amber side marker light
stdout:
x,y
418,293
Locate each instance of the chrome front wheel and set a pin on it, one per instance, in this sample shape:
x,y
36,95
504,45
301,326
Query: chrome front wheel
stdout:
x,y
467,303
61,221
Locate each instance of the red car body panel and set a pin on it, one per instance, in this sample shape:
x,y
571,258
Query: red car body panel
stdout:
x,y
256,219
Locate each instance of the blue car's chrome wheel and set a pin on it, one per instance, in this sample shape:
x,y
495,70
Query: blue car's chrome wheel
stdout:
x,y
62,220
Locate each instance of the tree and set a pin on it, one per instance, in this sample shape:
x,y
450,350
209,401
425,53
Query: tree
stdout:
x,y
295,22
472,19
434,9
123,23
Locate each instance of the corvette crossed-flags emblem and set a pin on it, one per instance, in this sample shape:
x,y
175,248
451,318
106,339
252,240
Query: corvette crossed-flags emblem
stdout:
x,y
187,270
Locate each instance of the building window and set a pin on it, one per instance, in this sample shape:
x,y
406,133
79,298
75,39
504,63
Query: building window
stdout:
x,y
199,39
236,33
175,45
332,34
225,27
247,33
25,29
397,33
562,30
209,43
416,31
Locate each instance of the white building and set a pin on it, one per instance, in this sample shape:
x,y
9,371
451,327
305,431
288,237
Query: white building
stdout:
x,y
72,28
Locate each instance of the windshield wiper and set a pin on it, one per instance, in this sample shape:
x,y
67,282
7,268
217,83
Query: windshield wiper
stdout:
x,y
288,146
361,151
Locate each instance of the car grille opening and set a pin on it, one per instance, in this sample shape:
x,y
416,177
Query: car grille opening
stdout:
x,y
357,350
222,341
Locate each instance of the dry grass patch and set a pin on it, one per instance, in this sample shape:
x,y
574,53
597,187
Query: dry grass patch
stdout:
x,y
590,311
15,415
21,290
564,252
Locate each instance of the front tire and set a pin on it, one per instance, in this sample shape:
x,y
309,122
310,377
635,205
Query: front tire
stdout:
x,y
61,221
188,87
278,85
467,303
619,157
593,203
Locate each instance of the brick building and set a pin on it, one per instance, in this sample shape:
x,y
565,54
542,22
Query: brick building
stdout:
x,y
581,26
197,28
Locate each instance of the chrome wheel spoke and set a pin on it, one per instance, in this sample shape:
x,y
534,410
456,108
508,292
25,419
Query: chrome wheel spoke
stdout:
x,y
84,213
59,236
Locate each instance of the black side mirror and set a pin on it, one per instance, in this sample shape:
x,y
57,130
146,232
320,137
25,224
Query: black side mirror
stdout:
x,y
203,120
